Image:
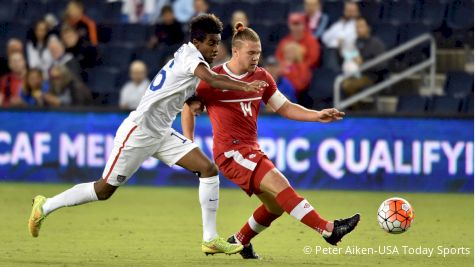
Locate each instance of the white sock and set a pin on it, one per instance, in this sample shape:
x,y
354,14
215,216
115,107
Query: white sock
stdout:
x,y
78,194
209,200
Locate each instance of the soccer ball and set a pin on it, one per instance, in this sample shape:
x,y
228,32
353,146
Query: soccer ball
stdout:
x,y
395,215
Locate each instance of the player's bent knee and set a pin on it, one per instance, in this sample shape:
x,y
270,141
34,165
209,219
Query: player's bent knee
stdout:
x,y
104,195
104,190
210,170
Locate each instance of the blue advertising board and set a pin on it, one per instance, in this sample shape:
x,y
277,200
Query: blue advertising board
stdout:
x,y
362,153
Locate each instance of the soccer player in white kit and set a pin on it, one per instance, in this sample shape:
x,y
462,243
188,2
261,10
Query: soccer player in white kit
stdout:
x,y
147,133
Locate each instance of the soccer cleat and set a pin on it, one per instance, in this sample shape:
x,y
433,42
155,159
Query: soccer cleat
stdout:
x,y
342,227
37,215
247,252
219,245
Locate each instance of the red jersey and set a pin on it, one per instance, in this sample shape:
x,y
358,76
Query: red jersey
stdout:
x,y
234,114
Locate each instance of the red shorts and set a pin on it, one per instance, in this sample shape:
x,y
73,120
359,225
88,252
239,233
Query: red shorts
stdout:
x,y
245,167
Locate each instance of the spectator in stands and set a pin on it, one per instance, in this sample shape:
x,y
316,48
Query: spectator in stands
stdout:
x,y
169,31
343,32
60,57
369,47
223,55
200,7
285,86
13,46
76,18
34,88
53,24
317,21
133,90
237,16
341,36
142,11
296,70
11,83
187,9
81,49
37,51
65,89
300,34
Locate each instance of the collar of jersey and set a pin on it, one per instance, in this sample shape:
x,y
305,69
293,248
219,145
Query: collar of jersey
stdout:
x,y
230,73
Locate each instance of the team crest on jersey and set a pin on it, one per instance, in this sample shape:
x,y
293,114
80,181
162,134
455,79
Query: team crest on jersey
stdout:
x,y
120,178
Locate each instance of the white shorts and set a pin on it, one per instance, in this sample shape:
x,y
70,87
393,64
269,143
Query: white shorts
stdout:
x,y
132,147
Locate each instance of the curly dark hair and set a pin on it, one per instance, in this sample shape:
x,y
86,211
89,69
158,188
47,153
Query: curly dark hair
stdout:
x,y
205,24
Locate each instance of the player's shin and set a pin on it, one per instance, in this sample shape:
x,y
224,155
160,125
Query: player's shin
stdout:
x,y
300,209
258,222
78,194
209,200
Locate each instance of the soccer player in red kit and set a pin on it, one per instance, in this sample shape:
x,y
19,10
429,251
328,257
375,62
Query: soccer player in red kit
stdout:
x,y
236,150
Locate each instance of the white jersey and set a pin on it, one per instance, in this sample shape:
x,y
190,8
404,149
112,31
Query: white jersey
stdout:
x,y
168,91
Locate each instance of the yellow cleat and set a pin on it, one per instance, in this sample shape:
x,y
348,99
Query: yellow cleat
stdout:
x,y
37,215
219,245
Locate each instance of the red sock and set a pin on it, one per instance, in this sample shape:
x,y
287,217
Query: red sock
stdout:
x,y
258,222
299,208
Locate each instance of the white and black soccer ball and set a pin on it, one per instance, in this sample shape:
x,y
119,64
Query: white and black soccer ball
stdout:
x,y
395,215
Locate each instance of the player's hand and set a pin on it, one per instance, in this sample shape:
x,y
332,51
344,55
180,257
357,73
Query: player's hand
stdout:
x,y
255,86
330,114
196,107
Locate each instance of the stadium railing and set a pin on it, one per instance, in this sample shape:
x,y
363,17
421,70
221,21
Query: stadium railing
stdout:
x,y
393,78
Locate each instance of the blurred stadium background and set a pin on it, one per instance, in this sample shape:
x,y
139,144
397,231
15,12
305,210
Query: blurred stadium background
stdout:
x,y
71,70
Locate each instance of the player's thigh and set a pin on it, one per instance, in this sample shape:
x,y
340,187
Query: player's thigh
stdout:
x,y
270,203
124,161
197,161
177,149
274,182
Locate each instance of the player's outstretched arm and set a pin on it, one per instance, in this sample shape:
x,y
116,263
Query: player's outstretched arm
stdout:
x,y
225,82
188,122
296,112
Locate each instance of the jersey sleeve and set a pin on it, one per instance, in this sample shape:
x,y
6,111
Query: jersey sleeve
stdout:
x,y
204,91
269,90
272,95
192,60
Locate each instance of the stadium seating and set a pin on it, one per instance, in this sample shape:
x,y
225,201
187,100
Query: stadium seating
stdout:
x,y
459,84
31,10
104,85
445,104
394,21
57,7
279,9
153,58
398,12
412,30
7,10
322,84
246,6
388,32
431,13
412,103
13,29
218,8
116,55
333,9
468,104
460,14
133,34
371,11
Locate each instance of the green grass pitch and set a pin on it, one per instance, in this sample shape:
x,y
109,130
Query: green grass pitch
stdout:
x,y
147,226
